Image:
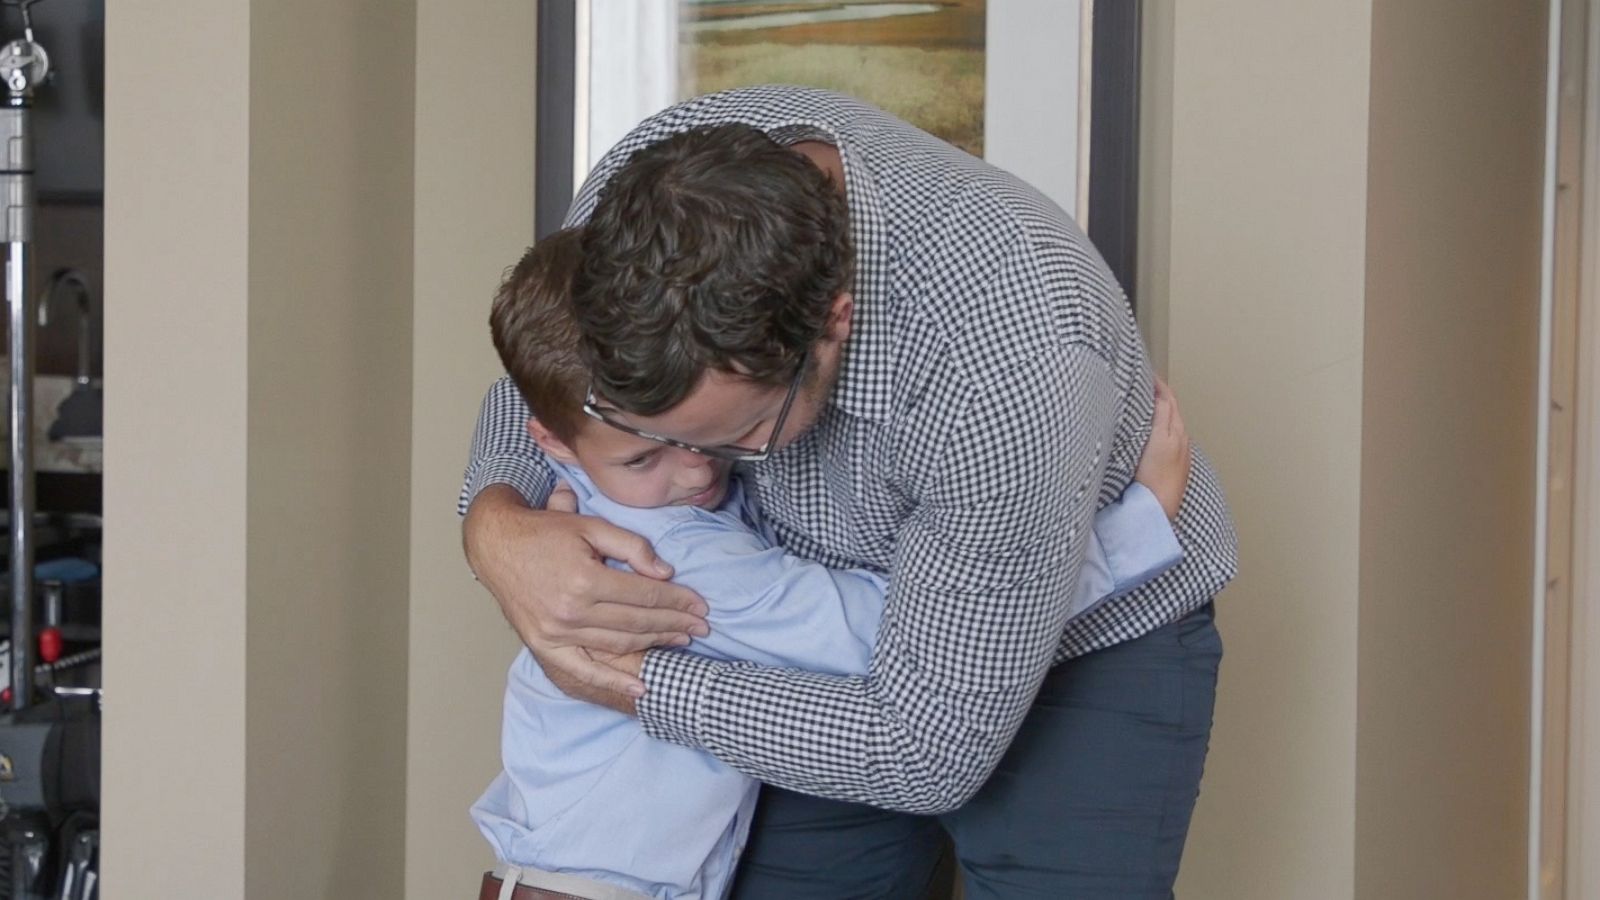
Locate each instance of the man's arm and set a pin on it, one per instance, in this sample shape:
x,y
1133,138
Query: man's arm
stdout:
x,y
981,585
547,569
774,609
503,452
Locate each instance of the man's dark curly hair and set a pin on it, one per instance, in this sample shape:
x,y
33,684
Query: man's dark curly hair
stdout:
x,y
714,249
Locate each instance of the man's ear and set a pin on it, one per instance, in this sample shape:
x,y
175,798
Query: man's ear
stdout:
x,y
555,447
839,317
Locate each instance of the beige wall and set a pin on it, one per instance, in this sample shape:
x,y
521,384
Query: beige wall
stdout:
x,y
1447,486
259,322
291,399
1350,298
474,216
177,377
1267,233
329,437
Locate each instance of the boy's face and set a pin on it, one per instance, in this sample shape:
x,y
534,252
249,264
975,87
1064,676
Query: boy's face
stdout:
x,y
727,410
637,472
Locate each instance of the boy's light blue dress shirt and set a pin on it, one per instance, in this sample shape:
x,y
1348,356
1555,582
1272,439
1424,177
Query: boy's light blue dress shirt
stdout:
x,y
586,792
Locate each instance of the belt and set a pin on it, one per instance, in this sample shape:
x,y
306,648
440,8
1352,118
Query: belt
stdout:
x,y
534,884
491,891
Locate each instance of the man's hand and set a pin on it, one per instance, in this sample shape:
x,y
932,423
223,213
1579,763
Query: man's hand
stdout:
x,y
546,569
1164,466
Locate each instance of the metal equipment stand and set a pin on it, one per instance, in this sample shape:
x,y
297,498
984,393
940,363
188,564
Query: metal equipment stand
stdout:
x,y
49,747
23,66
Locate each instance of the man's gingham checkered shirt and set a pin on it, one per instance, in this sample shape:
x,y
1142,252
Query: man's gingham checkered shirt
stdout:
x,y
994,393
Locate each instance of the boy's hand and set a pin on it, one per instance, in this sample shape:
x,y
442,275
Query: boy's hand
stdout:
x,y
627,664
547,570
563,498
1164,467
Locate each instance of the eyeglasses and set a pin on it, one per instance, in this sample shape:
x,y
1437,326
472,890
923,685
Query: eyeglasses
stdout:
x,y
733,452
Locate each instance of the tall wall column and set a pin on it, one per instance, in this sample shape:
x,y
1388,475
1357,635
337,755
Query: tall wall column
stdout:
x,y
1344,204
474,217
259,281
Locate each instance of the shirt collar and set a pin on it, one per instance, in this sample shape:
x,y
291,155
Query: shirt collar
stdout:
x,y
735,507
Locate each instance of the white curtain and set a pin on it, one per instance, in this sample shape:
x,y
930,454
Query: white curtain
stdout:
x,y
627,69
1032,95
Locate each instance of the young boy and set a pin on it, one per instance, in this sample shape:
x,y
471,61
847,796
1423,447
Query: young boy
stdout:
x,y
588,806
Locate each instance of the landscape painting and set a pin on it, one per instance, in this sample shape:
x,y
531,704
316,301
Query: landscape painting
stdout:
x,y
923,62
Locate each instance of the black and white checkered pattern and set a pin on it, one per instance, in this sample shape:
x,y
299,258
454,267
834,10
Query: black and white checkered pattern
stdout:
x,y
995,392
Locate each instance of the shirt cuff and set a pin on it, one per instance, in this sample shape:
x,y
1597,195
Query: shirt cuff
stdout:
x,y
533,482
1137,537
675,685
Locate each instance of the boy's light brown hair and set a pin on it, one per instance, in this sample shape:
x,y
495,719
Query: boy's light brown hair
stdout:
x,y
534,331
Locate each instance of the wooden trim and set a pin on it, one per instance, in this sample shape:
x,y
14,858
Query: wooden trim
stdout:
x,y
1582,850
1562,546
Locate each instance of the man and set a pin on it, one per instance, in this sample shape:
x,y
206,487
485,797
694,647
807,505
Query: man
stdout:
x,y
971,387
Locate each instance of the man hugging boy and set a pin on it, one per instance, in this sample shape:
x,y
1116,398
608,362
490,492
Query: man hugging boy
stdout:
x,y
588,805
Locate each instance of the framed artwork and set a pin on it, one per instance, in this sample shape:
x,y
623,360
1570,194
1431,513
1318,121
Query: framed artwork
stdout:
x,y
1047,89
